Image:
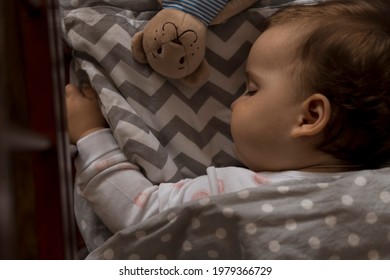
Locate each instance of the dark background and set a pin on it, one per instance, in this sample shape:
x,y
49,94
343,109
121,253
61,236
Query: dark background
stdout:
x,y
36,217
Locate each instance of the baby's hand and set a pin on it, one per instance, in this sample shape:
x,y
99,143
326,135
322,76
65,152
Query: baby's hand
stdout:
x,y
83,112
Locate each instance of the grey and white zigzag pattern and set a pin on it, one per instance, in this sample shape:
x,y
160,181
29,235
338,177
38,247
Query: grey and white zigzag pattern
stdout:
x,y
168,130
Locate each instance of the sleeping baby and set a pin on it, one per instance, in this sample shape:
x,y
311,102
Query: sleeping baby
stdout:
x,y
317,102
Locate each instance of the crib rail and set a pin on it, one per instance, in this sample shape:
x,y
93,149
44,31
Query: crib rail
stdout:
x,y
36,220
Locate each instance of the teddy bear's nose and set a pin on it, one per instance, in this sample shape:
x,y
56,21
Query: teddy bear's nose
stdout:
x,y
177,41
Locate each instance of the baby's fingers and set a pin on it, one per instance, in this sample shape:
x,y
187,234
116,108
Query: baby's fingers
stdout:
x,y
71,90
89,92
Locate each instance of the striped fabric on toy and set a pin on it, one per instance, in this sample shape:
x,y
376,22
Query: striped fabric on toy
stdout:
x,y
205,10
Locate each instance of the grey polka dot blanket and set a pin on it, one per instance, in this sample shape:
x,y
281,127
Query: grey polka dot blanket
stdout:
x,y
345,217
174,132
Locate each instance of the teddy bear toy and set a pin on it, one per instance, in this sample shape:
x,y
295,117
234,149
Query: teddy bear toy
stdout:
x,y
173,42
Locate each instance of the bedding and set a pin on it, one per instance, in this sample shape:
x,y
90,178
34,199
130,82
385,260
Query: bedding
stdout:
x,y
324,218
174,132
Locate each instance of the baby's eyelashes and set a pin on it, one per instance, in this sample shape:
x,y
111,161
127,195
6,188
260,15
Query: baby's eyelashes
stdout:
x,y
250,92
251,88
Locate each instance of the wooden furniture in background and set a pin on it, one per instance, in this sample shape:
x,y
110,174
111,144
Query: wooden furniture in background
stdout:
x,y
36,215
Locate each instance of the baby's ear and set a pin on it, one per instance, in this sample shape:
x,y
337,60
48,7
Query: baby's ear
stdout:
x,y
137,47
314,116
198,77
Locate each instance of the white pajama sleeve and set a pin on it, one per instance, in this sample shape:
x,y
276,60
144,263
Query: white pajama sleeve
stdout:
x,y
121,195
217,181
109,181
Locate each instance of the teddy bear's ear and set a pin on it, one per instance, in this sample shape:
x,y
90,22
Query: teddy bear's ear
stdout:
x,y
137,47
198,77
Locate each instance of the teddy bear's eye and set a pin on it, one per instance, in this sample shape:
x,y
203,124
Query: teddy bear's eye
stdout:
x,y
182,59
159,51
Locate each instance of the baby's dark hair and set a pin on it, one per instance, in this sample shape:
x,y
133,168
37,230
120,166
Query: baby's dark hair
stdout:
x,y
345,55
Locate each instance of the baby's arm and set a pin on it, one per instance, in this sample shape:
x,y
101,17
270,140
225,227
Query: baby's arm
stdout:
x,y
118,192
104,176
116,189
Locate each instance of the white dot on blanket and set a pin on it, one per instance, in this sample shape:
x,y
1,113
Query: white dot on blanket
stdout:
x,y
250,228
134,257
267,208
108,254
385,196
283,189
274,246
291,224
221,233
373,255
347,200
353,240
314,242
307,204
323,185
331,221
213,254
187,246
243,194
360,181
204,201
228,212
195,223
371,218
161,257
98,240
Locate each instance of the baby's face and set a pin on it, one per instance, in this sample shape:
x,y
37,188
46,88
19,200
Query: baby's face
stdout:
x,y
264,116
